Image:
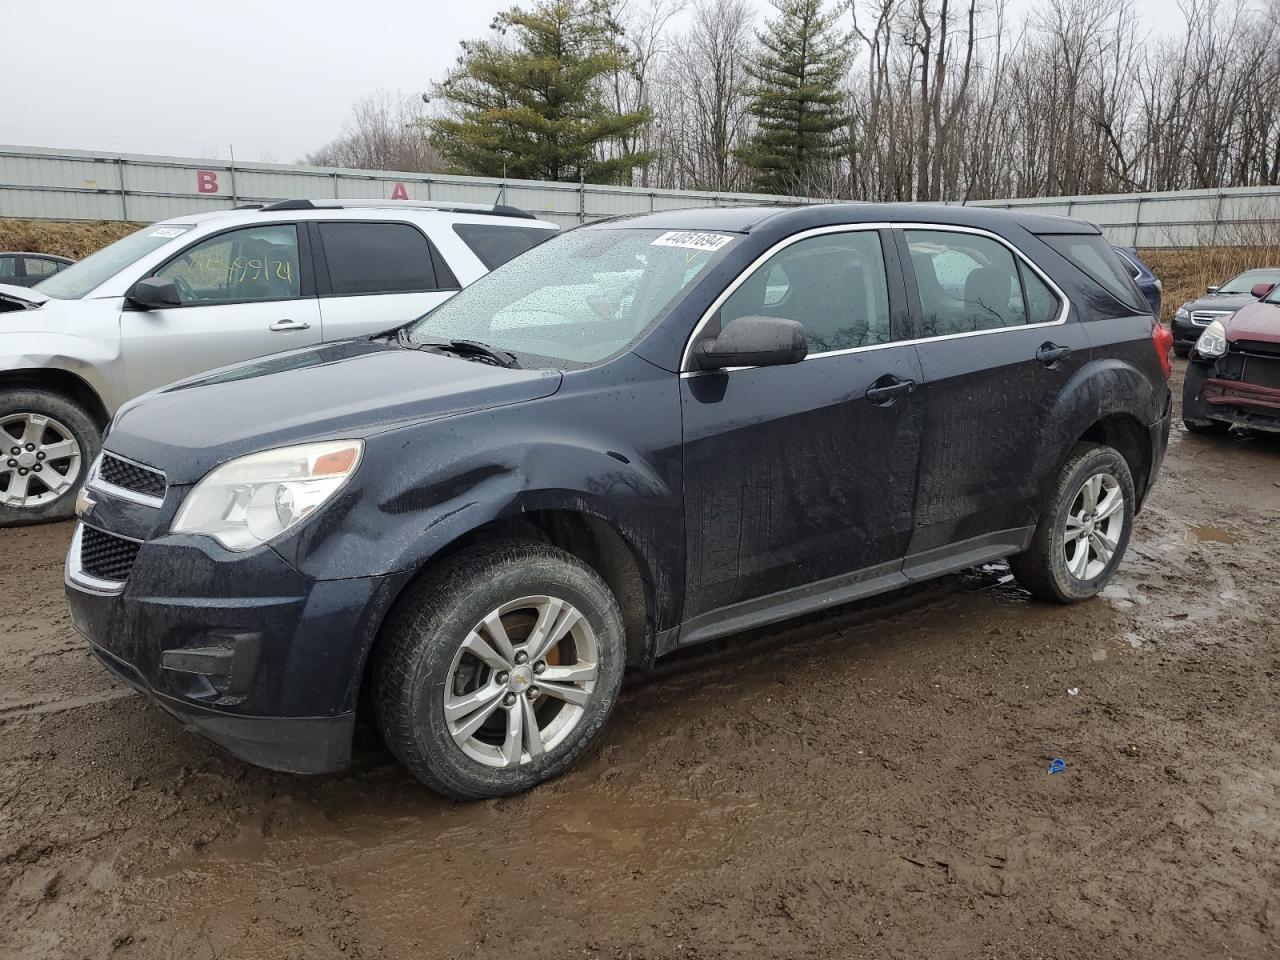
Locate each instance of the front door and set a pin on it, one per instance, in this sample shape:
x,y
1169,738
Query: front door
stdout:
x,y
245,293
803,473
996,349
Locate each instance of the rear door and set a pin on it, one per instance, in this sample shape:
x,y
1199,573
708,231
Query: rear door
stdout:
x,y
375,275
996,349
245,292
801,473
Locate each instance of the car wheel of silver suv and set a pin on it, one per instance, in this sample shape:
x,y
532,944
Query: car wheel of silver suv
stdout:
x,y
46,445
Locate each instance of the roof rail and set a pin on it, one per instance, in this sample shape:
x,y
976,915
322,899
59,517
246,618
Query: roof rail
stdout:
x,y
494,210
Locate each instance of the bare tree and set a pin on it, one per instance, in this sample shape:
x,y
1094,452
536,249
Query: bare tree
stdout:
x,y
384,132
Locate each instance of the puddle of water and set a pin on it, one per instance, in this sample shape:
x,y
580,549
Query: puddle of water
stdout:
x,y
1212,535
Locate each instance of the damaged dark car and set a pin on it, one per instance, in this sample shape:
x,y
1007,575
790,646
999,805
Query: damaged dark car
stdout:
x,y
1233,377
641,435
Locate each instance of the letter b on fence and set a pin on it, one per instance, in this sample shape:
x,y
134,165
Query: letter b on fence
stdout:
x,y
206,181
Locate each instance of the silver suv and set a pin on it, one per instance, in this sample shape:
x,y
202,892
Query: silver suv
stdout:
x,y
189,294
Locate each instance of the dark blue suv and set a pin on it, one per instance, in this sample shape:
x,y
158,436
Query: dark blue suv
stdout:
x,y
641,435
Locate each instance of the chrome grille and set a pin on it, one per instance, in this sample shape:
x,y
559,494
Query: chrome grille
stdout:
x,y
105,556
1202,318
132,476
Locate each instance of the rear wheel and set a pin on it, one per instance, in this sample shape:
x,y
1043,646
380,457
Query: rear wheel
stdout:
x,y
1083,529
47,443
498,669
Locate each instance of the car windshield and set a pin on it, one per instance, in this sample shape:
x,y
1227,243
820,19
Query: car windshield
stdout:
x,y
1246,281
91,272
578,298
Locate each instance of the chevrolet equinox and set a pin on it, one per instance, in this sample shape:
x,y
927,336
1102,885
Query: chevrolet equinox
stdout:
x,y
640,435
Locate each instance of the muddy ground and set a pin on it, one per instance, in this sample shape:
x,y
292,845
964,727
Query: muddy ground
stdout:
x,y
869,784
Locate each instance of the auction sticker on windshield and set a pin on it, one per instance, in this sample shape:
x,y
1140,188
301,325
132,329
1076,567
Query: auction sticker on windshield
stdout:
x,y
692,241
169,232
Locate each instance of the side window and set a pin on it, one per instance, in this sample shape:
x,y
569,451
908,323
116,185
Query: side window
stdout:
x,y
255,263
966,282
495,243
1043,305
1098,260
377,258
40,267
833,284
8,268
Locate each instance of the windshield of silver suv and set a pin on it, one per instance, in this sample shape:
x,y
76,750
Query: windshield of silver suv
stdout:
x,y
576,299
93,271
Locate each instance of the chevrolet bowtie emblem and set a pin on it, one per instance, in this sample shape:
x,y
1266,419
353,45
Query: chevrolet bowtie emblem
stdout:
x,y
84,503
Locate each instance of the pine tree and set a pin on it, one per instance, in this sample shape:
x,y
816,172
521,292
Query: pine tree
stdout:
x,y
796,97
531,105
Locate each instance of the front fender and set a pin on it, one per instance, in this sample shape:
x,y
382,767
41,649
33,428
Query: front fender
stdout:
x,y
419,488
95,362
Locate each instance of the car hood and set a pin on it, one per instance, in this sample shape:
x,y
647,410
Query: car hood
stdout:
x,y
347,389
1259,321
13,297
1220,301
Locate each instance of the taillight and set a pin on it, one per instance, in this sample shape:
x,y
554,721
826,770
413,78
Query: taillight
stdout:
x,y
1162,340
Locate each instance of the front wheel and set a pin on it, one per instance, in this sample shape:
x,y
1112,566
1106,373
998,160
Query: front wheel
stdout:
x,y
1083,529
47,443
499,668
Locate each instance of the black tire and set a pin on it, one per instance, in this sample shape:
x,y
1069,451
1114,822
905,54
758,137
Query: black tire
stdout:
x,y
1042,569
1216,428
68,415
425,631
1182,352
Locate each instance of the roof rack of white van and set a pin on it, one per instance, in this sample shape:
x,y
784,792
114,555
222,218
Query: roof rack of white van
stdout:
x,y
495,210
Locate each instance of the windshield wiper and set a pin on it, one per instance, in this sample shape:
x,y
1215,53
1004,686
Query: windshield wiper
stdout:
x,y
471,349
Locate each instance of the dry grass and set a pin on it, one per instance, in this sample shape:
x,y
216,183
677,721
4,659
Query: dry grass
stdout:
x,y
75,240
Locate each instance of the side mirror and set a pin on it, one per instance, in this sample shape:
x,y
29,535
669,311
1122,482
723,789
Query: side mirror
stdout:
x,y
152,293
753,341
1210,289
1260,290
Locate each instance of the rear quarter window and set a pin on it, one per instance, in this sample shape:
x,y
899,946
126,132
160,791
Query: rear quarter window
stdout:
x,y
496,243
1098,261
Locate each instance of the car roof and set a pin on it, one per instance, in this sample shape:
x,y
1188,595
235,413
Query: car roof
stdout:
x,y
35,253
746,219
367,210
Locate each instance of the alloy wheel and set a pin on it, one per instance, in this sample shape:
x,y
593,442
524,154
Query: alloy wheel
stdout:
x,y
39,459
1094,526
520,681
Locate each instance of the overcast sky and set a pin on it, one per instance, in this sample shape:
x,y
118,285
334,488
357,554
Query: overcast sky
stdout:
x,y
273,78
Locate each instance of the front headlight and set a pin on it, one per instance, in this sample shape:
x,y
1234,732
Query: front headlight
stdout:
x,y
1182,314
1213,342
250,500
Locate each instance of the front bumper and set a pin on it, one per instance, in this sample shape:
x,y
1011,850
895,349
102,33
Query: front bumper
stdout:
x,y
1208,397
240,648
1185,333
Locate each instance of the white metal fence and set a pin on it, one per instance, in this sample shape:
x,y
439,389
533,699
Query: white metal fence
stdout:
x,y
83,185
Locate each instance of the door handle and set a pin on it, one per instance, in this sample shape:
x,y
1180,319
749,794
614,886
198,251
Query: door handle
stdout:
x,y
888,389
1050,353
284,326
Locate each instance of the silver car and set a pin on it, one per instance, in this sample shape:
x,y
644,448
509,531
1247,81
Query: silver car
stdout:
x,y
186,295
